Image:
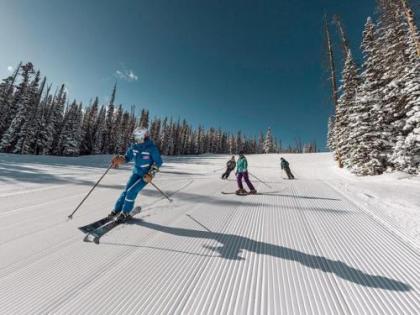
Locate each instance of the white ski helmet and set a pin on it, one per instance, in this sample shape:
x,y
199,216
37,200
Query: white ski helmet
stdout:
x,y
140,134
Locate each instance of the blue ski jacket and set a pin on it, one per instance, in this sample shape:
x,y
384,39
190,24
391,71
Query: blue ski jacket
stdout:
x,y
144,156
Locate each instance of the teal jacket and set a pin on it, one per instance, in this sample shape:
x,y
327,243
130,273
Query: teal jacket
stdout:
x,y
242,165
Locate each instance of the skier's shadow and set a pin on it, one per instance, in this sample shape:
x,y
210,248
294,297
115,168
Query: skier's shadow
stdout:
x,y
233,245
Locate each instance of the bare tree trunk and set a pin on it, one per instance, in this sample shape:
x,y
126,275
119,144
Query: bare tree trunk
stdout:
x,y
330,55
411,24
344,41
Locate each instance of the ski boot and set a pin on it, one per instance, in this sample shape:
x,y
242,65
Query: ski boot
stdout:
x,y
253,192
124,217
241,192
113,214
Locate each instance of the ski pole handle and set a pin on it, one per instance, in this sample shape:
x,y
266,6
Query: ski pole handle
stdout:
x,y
90,191
159,190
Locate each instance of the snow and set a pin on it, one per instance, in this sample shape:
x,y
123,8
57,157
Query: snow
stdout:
x,y
392,198
326,243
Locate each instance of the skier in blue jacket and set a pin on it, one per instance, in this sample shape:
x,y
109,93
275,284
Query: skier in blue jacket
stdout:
x,y
147,161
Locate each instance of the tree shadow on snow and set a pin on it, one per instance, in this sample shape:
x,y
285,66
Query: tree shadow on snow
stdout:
x,y
233,245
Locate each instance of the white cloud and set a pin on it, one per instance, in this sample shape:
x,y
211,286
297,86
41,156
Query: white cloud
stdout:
x,y
126,74
10,69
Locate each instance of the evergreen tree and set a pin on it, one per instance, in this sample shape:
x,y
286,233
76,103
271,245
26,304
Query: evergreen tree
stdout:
x,y
116,132
88,128
108,141
268,142
155,131
144,119
57,116
70,136
7,106
406,151
345,106
42,126
331,140
239,142
99,131
364,140
23,104
125,130
27,138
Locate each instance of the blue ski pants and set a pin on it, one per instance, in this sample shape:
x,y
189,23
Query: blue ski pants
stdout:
x,y
125,202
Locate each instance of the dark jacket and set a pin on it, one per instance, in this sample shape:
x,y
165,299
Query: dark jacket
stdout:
x,y
231,164
284,164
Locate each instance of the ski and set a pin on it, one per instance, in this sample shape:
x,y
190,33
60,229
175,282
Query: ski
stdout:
x,y
100,231
94,225
242,194
234,193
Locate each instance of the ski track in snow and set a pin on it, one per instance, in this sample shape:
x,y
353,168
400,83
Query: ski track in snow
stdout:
x,y
302,247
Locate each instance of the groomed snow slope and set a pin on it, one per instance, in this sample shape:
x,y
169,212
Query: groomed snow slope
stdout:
x,y
301,247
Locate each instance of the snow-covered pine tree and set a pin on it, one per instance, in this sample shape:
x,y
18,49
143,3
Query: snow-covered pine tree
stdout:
x,y
232,144
124,138
260,145
70,137
276,145
57,116
155,131
331,140
88,128
171,136
128,126
365,148
7,106
22,104
108,142
238,142
28,133
187,138
164,137
99,132
268,142
116,132
406,152
225,143
203,140
144,119
392,33
42,127
345,106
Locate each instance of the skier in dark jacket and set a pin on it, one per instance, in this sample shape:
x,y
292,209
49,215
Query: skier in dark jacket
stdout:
x,y
147,161
285,166
230,166
242,172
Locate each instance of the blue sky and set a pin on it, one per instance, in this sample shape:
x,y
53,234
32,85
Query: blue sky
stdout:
x,y
235,64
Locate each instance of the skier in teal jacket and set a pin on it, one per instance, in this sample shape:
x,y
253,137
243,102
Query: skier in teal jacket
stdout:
x,y
242,172
147,161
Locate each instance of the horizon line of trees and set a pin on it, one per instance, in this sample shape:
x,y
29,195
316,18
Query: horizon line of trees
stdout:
x,y
36,121
376,124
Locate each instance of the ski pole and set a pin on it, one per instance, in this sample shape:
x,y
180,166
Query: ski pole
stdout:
x,y
260,180
159,190
90,191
